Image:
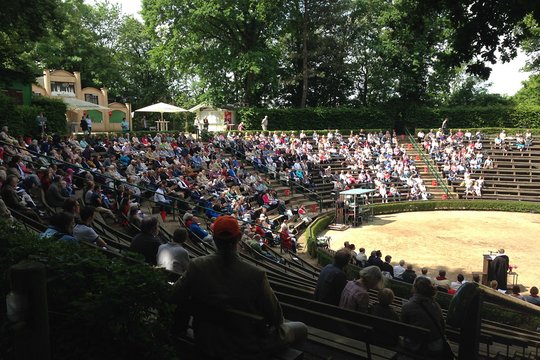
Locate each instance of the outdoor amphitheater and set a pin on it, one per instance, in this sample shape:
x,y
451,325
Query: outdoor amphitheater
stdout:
x,y
269,180
372,190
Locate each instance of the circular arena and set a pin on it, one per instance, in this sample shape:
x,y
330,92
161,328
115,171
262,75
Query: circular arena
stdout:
x,y
451,240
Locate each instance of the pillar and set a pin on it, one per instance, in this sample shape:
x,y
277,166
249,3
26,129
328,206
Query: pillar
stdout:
x,y
29,284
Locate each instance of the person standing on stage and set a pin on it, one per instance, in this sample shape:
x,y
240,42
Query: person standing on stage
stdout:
x,y
444,126
264,123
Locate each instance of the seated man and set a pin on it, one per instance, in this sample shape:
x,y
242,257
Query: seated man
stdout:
x,y
172,255
399,269
84,230
55,196
441,281
223,281
333,279
409,274
192,225
455,285
146,242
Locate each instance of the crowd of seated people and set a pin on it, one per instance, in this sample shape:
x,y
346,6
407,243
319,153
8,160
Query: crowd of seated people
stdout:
x,y
520,141
372,160
405,272
118,173
459,155
333,288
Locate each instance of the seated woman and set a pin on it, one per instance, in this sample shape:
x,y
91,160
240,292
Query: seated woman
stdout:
x,y
60,228
287,239
423,311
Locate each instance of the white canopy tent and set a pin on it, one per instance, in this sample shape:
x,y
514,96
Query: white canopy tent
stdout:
x,y
162,108
77,104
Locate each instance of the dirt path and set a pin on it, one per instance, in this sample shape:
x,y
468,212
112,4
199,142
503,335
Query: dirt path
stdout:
x,y
451,240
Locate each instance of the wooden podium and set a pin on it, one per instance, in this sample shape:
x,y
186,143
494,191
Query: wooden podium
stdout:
x,y
486,269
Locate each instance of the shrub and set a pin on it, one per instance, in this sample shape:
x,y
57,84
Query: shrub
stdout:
x,y
21,119
7,110
488,205
55,112
100,308
315,229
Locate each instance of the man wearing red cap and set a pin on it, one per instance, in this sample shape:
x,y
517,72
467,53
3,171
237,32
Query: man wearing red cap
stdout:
x,y
222,281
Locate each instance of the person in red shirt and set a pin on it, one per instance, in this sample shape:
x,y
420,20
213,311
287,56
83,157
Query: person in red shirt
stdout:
x,y
287,240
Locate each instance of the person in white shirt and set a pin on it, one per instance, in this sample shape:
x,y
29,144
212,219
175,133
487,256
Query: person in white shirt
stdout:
x,y
361,257
455,285
264,123
159,195
399,269
89,122
172,255
84,231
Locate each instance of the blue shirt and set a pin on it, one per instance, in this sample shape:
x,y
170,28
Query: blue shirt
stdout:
x,y
198,231
53,233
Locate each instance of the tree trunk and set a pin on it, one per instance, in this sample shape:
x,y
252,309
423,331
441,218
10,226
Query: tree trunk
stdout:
x,y
305,70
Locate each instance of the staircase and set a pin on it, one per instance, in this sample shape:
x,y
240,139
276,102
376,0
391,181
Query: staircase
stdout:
x,y
431,182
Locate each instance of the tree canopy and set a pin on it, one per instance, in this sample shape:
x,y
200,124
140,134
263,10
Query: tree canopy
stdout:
x,y
299,53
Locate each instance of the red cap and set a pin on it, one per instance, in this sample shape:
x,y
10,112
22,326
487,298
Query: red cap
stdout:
x,y
226,228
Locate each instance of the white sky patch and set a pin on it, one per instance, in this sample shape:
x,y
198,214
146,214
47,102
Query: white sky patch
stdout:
x,y
130,7
506,78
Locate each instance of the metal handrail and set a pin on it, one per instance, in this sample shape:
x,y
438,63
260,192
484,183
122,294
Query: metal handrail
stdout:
x,y
441,181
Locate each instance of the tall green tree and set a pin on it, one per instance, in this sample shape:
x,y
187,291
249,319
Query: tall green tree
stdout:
x,y
139,82
22,23
315,43
531,44
374,79
226,46
529,94
82,44
485,31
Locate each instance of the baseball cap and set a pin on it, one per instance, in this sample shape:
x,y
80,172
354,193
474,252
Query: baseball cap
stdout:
x,y
226,228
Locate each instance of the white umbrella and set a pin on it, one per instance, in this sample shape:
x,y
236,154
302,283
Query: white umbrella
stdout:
x,y
76,104
162,108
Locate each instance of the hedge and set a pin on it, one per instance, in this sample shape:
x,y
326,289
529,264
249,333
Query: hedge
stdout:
x,y
488,130
314,229
100,308
392,118
432,205
21,119
55,112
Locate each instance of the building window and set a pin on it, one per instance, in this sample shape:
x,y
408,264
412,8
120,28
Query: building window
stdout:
x,y
62,89
91,98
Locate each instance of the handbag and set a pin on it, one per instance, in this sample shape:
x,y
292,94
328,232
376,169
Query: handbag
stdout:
x,y
446,353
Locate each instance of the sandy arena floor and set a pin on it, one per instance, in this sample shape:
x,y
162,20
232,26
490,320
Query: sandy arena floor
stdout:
x,y
451,240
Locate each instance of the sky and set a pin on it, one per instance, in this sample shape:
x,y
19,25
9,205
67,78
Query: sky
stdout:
x,y
505,78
